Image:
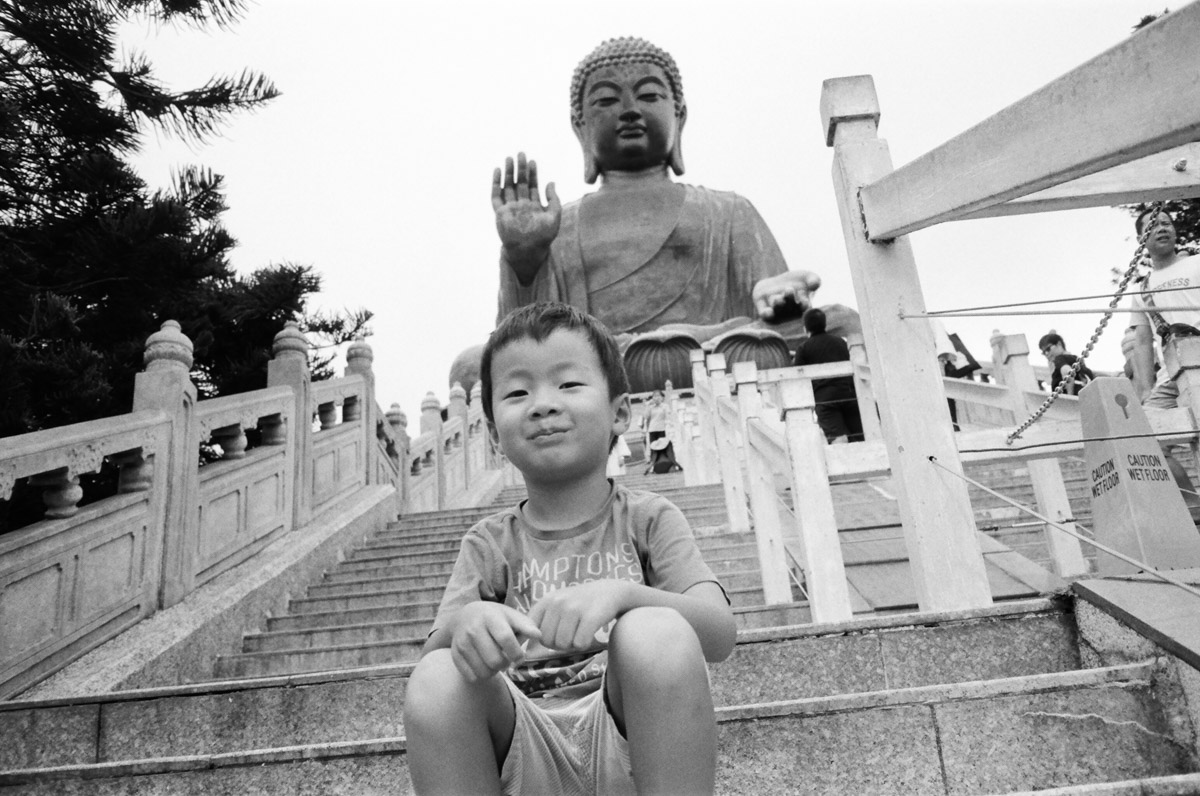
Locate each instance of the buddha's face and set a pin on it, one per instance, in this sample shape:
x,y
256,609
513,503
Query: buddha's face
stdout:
x,y
629,120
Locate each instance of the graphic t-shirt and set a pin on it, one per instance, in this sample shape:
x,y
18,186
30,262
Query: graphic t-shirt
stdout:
x,y
1184,272
637,536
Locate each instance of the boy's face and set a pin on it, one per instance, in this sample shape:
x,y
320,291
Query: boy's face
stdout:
x,y
553,417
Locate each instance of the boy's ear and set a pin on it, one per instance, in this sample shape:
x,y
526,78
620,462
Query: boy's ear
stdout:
x,y
493,434
622,413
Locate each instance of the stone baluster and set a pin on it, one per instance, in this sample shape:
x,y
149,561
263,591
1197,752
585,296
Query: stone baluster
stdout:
x,y
61,493
135,472
289,368
165,386
232,440
327,415
906,377
273,430
772,558
431,421
1010,353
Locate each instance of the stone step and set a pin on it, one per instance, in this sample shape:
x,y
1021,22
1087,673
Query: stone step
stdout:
x,y
1064,728
1178,785
396,564
429,593
791,662
395,599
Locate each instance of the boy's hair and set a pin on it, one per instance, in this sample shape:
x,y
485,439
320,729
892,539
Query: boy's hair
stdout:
x,y
1144,216
1053,338
814,321
537,322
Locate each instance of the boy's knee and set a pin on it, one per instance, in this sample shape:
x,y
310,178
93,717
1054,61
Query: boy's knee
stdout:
x,y
657,636
433,682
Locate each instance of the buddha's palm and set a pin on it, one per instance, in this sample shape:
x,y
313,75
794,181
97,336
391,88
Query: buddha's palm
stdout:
x,y
526,227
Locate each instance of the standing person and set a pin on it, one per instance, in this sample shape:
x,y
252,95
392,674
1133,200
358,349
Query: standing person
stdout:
x,y
1054,349
1169,314
656,420
837,401
568,653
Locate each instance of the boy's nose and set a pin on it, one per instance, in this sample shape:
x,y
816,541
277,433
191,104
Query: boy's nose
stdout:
x,y
545,402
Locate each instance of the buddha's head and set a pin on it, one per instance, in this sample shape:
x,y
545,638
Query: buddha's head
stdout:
x,y
627,108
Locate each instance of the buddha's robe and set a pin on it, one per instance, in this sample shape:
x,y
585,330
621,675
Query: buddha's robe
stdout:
x,y
699,270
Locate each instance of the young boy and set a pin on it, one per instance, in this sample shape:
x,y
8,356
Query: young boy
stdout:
x,y
568,653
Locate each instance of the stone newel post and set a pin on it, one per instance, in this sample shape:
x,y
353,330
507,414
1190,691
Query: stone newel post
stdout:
x,y
399,423
166,386
359,358
458,408
289,368
431,422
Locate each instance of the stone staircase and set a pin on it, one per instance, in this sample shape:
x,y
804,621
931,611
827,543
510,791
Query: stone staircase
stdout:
x,y
1008,699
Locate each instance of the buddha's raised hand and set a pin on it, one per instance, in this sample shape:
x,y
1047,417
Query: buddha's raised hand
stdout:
x,y
526,227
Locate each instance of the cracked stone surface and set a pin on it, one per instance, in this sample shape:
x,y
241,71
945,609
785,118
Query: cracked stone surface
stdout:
x,y
1035,741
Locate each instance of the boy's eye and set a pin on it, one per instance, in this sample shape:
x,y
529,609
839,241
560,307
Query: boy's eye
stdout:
x,y
514,394
569,384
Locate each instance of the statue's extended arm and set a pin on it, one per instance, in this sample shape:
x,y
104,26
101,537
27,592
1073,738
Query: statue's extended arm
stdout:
x,y
526,227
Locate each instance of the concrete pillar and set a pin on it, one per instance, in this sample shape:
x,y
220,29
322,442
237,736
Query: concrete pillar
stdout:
x,y
935,510
431,422
166,386
359,359
289,368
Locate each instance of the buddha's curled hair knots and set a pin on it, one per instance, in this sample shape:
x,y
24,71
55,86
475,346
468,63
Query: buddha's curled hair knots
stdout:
x,y
624,50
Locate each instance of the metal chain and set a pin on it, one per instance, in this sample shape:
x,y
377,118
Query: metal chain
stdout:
x,y
1069,379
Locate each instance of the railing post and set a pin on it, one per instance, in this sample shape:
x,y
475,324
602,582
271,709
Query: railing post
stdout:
x,y
289,368
359,358
1182,355
431,420
706,449
727,454
458,408
166,386
824,570
906,378
772,557
399,423
863,389
1066,555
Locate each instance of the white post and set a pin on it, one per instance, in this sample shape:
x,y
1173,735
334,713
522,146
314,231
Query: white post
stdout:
x,y
863,392
1066,555
772,557
706,444
727,457
824,570
935,509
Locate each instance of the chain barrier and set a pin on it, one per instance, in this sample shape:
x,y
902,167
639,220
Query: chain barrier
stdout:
x,y
1069,378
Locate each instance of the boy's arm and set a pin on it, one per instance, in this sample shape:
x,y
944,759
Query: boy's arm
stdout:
x,y
484,638
570,618
1142,357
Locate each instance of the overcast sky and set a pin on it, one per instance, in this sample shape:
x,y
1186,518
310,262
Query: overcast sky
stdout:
x,y
375,164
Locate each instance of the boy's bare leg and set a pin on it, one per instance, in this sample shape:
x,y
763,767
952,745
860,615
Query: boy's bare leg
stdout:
x,y
658,691
458,732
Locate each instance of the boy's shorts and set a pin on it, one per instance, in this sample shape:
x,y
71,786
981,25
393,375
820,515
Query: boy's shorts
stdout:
x,y
565,746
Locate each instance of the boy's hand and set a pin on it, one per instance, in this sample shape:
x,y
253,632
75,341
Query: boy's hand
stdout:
x,y
488,638
569,618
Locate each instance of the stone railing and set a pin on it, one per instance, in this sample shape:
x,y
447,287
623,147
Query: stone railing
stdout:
x,y
286,453
450,465
763,424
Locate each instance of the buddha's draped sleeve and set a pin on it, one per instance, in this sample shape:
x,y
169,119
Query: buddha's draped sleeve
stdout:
x,y
559,279
753,255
